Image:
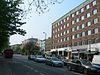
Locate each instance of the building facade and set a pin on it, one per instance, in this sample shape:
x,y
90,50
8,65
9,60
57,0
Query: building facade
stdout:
x,y
41,44
48,44
79,29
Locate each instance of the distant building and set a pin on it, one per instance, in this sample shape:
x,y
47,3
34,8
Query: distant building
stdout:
x,y
48,44
78,30
41,44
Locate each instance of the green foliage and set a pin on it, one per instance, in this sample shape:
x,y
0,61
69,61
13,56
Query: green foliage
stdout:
x,y
31,48
10,20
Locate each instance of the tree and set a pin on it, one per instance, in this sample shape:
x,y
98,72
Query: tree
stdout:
x,y
30,48
11,14
10,20
41,6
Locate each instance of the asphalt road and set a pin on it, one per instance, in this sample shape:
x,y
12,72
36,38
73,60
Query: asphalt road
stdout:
x,y
20,65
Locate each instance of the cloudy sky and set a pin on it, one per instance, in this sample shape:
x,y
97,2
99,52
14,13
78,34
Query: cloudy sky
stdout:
x,y
37,24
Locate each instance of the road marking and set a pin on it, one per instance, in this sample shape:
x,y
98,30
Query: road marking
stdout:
x,y
36,70
29,67
42,74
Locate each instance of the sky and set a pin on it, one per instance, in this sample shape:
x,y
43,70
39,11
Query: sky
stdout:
x,y
37,24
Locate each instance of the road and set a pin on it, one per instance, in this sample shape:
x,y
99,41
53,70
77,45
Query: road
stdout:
x,y
20,65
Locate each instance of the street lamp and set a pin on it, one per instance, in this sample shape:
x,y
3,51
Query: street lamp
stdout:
x,y
45,34
45,39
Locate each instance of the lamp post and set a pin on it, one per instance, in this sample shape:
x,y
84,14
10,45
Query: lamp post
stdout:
x,y
45,39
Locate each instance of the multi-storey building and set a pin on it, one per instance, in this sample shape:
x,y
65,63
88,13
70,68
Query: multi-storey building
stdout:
x,y
79,28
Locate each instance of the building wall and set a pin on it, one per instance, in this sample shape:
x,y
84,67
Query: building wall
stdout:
x,y
48,44
79,27
41,44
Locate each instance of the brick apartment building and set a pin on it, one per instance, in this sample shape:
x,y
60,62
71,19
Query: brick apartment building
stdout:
x,y
79,29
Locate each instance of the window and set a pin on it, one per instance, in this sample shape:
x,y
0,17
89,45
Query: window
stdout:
x,y
72,15
73,29
58,41
64,26
55,36
58,29
83,33
61,40
83,26
94,3
58,35
82,10
78,36
73,22
95,20
67,24
61,28
67,31
61,22
64,20
88,6
96,30
64,32
88,15
94,11
61,34
67,18
58,23
77,20
82,18
88,23
77,12
64,39
73,37
89,32
68,38
77,27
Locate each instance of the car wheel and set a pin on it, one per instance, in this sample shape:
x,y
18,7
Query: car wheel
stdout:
x,y
52,64
69,68
85,72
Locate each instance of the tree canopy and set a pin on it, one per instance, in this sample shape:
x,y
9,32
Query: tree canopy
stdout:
x,y
11,15
10,20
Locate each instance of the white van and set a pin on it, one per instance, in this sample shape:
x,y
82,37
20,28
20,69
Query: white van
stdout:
x,y
96,60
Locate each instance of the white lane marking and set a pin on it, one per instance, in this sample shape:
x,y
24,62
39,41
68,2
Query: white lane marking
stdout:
x,y
36,70
42,74
29,67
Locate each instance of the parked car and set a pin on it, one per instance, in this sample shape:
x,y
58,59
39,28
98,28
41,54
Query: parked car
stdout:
x,y
84,66
53,61
8,53
64,60
32,57
40,58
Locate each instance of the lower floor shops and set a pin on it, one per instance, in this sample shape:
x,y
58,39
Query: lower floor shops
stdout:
x,y
82,52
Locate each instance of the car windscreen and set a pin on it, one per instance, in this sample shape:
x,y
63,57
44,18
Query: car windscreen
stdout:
x,y
86,62
40,56
56,59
